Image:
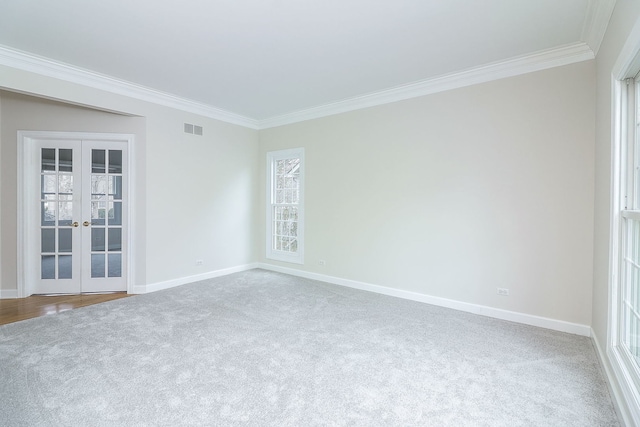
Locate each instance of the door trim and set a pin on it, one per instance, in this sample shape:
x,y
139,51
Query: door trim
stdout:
x,y
26,184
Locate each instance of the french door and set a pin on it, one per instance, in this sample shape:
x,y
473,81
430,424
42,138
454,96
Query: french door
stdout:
x,y
79,236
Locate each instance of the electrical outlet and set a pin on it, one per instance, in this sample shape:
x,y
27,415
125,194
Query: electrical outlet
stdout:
x,y
199,262
322,262
503,291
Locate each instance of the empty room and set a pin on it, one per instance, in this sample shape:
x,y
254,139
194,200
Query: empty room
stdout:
x,y
345,213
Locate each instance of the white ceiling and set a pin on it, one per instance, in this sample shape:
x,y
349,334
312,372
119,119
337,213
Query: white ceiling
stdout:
x,y
263,59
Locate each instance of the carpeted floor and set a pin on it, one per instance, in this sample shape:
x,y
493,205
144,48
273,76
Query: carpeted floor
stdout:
x,y
265,349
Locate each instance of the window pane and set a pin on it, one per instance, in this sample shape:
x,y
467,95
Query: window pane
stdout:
x,y
48,267
65,213
97,265
115,187
115,239
64,267
48,213
634,240
115,213
48,185
98,213
631,290
64,239
66,162
98,187
65,184
97,239
115,265
48,159
48,240
115,161
98,161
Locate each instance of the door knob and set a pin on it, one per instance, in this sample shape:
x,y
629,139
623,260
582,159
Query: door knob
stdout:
x,y
86,223
75,224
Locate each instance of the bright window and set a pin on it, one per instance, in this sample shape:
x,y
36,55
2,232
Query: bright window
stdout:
x,y
624,344
285,207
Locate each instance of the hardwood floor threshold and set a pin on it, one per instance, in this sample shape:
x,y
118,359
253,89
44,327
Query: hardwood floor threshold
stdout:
x,y
17,309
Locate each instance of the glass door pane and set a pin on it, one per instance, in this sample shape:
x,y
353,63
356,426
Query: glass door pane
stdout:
x,y
58,234
106,213
105,180
56,201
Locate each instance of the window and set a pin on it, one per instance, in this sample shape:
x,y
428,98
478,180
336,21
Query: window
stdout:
x,y
285,205
624,342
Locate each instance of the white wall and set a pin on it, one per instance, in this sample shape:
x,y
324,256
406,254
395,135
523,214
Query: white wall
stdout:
x,y
197,194
455,194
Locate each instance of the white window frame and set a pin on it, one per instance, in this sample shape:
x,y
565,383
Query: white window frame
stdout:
x,y
271,253
625,208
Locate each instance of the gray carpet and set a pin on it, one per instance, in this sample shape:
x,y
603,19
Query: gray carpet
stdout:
x,y
265,349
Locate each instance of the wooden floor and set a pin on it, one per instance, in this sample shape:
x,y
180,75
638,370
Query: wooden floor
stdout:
x,y
13,310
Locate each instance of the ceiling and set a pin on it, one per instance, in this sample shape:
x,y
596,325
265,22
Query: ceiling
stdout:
x,y
265,59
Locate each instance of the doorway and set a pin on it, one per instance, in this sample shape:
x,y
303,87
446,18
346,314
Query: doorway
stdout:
x,y
76,211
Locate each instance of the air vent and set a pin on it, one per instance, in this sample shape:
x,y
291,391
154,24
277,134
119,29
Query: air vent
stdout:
x,y
193,129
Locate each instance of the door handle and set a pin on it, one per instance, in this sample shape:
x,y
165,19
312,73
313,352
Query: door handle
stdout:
x,y
75,224
86,223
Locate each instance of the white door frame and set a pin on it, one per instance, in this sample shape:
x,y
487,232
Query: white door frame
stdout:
x,y
26,184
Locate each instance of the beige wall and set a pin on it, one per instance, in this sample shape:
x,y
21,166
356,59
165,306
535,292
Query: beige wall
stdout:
x,y
458,193
195,195
201,196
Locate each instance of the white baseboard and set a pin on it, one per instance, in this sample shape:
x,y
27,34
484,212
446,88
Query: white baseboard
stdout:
x,y
8,293
617,396
152,287
512,316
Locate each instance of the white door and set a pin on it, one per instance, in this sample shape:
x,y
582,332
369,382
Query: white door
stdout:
x,y
80,244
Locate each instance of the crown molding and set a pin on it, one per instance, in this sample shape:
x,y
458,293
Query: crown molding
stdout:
x,y
520,65
36,64
596,22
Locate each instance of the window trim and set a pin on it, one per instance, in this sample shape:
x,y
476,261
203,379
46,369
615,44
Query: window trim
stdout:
x,y
273,254
625,109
